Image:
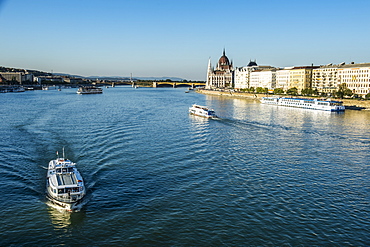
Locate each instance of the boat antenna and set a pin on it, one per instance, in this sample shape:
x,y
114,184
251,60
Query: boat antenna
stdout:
x,y
63,153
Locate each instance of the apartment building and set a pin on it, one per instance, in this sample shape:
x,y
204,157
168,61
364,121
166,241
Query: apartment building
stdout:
x,y
356,77
242,75
325,78
283,78
263,78
301,77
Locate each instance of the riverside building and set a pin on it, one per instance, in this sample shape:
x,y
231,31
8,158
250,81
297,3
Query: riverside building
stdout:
x,y
283,78
242,75
19,77
356,77
325,78
222,76
301,77
263,78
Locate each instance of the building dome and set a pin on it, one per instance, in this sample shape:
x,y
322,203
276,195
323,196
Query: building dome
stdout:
x,y
223,62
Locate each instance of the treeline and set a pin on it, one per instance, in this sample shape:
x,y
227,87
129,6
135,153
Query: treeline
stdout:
x,y
342,92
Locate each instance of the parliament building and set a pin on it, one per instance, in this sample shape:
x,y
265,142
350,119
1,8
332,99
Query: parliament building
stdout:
x,y
222,76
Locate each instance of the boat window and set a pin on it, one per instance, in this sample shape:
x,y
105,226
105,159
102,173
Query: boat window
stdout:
x,y
60,191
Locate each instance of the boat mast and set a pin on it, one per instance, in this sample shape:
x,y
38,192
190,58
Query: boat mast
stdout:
x,y
63,153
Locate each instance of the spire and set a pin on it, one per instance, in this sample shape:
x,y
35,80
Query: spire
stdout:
x,y
209,65
224,52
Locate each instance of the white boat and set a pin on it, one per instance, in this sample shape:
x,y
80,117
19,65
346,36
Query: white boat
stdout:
x,y
64,184
89,90
202,111
315,104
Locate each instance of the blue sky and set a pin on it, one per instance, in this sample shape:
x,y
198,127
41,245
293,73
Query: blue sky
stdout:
x,y
175,38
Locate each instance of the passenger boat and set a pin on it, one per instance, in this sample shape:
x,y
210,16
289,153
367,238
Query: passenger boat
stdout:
x,y
64,184
315,104
202,111
89,90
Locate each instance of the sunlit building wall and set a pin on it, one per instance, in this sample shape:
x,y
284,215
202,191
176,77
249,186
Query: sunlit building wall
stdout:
x,y
325,78
356,77
283,78
301,77
263,78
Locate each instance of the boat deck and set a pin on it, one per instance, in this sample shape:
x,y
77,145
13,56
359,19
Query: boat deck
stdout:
x,y
66,179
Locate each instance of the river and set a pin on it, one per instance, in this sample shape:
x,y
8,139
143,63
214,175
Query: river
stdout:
x,y
260,175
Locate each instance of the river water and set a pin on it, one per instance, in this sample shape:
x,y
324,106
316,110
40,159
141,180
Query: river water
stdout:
x,y
261,175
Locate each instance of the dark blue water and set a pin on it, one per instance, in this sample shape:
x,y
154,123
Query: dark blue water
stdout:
x,y
260,176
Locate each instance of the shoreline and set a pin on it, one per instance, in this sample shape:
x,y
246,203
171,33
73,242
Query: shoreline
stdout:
x,y
351,104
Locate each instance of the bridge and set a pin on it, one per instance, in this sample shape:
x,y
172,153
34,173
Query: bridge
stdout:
x,y
178,83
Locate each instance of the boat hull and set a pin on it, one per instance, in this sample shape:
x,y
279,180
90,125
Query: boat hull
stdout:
x,y
201,115
69,206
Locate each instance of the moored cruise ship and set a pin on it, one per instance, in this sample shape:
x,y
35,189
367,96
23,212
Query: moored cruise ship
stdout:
x,y
89,90
202,111
64,184
315,104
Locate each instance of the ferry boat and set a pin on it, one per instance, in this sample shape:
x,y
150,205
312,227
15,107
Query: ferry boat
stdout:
x,y
315,104
64,184
202,111
89,90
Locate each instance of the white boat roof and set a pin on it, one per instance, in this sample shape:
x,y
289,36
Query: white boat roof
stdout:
x,y
67,174
202,107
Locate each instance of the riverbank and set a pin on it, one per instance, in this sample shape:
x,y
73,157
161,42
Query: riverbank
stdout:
x,y
348,103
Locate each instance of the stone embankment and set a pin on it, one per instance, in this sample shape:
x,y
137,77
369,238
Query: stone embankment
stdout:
x,y
349,103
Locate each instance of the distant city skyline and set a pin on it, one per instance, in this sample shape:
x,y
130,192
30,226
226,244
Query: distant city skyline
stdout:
x,y
176,38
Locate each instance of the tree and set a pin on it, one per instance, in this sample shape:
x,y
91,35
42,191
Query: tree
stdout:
x,y
251,89
278,91
348,92
343,91
262,90
307,91
292,91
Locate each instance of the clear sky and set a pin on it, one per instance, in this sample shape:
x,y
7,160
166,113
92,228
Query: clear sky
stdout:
x,y
175,38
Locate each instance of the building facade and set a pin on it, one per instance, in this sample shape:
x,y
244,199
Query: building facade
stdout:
x,y
242,75
356,77
222,76
12,76
263,78
325,78
283,78
301,77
